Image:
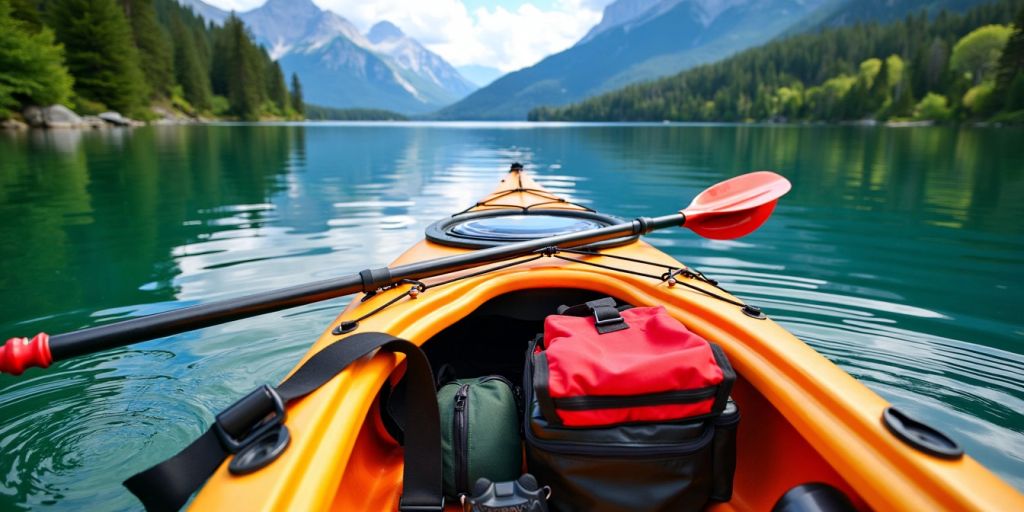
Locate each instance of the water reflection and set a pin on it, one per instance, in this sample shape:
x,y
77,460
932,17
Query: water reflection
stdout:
x,y
897,255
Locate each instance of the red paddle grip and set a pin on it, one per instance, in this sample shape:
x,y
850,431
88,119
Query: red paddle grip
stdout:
x,y
20,353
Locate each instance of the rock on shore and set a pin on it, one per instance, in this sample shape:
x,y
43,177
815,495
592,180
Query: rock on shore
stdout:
x,y
59,116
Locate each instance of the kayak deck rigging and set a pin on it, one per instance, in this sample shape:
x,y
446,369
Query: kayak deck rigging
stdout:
x,y
670,277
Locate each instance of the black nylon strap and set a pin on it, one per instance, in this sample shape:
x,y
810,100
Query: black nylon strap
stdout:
x,y
168,485
606,315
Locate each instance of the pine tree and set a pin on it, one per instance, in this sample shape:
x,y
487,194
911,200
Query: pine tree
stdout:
x,y
154,46
28,12
188,69
903,103
100,52
879,92
297,102
277,91
31,65
237,69
1011,66
221,52
1015,94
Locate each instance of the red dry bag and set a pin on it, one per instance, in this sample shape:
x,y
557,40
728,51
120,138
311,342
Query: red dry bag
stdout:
x,y
599,366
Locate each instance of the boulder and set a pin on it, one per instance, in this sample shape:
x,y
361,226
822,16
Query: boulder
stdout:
x,y
33,116
59,116
12,124
115,118
93,122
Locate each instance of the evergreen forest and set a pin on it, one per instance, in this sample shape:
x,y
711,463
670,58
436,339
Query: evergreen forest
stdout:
x,y
134,56
950,67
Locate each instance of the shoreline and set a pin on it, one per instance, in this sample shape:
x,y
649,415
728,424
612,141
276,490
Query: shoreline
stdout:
x,y
94,123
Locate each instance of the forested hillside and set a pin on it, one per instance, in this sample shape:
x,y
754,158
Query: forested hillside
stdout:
x,y
129,55
661,39
952,66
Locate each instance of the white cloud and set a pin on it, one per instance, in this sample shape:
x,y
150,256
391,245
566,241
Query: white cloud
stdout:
x,y
507,38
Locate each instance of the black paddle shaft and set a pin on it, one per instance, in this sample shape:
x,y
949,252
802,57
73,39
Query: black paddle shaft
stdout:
x,y
136,330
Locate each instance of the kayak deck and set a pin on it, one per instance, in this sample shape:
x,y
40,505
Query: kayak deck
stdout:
x,y
804,419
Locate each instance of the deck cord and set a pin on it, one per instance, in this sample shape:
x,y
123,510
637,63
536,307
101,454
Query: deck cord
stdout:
x,y
552,199
669,276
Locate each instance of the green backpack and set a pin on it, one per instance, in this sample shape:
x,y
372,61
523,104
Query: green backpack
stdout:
x,y
479,432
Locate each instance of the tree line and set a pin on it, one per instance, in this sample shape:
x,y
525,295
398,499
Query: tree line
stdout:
x,y
126,55
320,113
949,67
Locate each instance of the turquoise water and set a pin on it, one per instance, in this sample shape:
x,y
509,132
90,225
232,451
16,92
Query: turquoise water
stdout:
x,y
898,255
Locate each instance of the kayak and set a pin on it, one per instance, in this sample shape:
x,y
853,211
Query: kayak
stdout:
x,y
467,301
804,419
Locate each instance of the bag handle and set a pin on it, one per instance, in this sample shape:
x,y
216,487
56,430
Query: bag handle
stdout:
x,y
606,315
243,429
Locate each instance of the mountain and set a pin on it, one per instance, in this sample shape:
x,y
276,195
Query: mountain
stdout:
x,y
479,75
636,40
207,11
419,63
284,26
342,68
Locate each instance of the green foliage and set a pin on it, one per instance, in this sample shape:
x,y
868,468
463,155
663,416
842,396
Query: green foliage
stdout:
x,y
87,107
154,45
276,88
1015,94
219,105
902,105
978,99
189,70
933,107
179,102
976,55
296,95
1010,76
239,69
31,65
318,113
122,52
27,11
868,70
895,68
100,52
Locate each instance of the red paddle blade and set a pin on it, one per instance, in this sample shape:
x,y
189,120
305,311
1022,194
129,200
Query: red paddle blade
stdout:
x,y
737,206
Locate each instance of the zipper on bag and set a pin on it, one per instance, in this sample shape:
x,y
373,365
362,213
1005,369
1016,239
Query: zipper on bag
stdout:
x,y
582,403
625,451
460,435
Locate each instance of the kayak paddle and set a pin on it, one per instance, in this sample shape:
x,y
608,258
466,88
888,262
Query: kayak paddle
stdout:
x,y
727,210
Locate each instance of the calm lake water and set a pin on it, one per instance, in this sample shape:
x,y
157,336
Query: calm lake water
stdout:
x,y
899,255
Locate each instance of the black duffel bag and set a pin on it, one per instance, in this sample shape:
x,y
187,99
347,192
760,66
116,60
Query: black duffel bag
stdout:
x,y
669,466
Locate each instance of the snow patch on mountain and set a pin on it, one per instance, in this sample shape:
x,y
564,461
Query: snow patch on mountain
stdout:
x,y
408,54
329,53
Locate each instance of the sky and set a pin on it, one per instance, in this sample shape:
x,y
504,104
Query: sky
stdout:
x,y
503,34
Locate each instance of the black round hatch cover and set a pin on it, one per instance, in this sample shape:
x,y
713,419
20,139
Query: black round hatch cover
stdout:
x,y
490,228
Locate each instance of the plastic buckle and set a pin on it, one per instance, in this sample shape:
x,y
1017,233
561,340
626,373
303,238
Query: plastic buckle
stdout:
x,y
253,410
612,320
601,322
402,507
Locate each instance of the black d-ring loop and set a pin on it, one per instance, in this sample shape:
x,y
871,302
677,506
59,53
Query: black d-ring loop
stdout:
x,y
261,451
249,419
